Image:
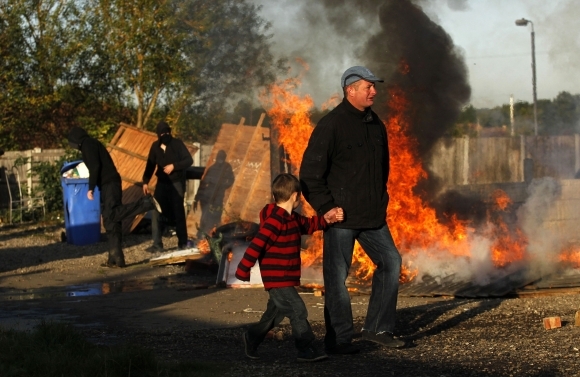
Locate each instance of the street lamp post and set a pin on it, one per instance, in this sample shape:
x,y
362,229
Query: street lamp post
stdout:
x,y
524,22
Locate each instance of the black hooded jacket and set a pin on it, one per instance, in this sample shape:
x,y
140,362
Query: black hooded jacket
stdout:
x,y
175,153
346,164
102,170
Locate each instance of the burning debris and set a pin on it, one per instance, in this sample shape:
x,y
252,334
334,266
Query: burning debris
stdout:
x,y
502,247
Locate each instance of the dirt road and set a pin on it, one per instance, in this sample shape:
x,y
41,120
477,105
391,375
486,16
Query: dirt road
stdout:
x,y
184,316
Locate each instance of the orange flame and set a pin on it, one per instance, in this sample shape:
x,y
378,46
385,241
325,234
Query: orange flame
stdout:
x,y
290,116
509,244
570,256
414,225
203,246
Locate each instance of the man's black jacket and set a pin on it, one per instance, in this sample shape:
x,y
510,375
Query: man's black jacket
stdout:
x,y
175,153
346,164
98,160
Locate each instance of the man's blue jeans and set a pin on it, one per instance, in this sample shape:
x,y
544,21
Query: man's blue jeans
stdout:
x,y
283,302
337,258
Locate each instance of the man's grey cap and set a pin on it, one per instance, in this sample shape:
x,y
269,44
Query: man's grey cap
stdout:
x,y
353,74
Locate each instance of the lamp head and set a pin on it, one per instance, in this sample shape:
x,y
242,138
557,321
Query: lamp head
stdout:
x,y
522,22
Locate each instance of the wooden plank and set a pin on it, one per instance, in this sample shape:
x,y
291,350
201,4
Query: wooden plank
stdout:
x,y
246,151
127,152
247,176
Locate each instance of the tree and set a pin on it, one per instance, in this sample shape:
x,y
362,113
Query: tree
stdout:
x,y
181,57
94,63
37,44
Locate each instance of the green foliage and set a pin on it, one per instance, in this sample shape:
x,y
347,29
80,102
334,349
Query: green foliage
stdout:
x,y
94,64
49,181
558,116
57,349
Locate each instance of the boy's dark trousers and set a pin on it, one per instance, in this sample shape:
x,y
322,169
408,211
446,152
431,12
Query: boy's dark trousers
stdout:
x,y
283,302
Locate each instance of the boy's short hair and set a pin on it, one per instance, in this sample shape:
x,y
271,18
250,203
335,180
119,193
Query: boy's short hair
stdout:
x,y
283,186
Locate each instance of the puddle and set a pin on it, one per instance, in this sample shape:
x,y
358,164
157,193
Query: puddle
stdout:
x,y
94,289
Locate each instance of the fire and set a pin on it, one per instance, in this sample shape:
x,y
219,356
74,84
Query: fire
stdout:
x,y
203,246
510,244
414,225
290,115
570,256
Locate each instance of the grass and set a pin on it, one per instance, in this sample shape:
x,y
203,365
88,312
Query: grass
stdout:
x,y
57,349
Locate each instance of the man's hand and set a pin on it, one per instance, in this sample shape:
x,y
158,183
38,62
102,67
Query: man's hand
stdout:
x,y
168,169
331,216
145,189
339,214
90,195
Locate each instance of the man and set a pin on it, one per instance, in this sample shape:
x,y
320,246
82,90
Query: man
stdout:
x,y
346,164
171,158
104,174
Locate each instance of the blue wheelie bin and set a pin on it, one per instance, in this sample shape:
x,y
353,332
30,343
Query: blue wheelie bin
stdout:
x,y
82,217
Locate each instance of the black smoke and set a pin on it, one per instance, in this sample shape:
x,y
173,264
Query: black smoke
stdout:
x,y
434,77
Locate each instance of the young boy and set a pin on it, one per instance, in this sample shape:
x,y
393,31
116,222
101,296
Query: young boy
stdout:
x,y
277,248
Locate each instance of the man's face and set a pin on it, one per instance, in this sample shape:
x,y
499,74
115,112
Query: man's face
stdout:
x,y
362,94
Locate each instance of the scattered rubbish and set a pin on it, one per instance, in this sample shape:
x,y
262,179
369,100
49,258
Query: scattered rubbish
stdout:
x,y
250,310
552,323
176,257
275,334
77,171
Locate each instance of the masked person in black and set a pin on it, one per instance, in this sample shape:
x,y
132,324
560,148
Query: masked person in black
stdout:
x,y
104,175
170,157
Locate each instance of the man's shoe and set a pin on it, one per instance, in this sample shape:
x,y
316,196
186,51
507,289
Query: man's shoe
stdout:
x,y
251,351
114,265
311,354
383,338
342,349
154,248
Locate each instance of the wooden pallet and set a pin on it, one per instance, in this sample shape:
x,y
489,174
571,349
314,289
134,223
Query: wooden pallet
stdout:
x,y
239,188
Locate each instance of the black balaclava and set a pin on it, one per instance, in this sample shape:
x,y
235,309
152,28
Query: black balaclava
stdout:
x,y
76,136
163,128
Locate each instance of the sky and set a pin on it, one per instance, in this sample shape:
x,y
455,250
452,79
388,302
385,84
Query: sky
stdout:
x,y
497,53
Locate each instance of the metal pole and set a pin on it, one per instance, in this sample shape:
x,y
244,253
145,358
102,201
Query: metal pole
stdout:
x,y
512,114
534,82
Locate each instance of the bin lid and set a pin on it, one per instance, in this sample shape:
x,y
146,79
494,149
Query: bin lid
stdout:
x,y
69,165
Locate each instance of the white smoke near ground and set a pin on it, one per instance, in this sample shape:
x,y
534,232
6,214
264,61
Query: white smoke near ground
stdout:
x,y
541,257
544,245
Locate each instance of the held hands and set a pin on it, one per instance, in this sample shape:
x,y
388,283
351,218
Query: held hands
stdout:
x,y
90,195
334,215
145,189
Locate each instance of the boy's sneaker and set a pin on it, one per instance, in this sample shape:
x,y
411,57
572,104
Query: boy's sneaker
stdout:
x,y
251,351
342,349
383,338
311,354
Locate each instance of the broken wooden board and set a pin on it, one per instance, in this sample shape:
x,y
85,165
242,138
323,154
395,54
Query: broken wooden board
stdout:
x,y
177,257
236,183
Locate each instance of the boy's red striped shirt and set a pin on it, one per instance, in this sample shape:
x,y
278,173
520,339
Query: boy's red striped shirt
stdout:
x,y
277,246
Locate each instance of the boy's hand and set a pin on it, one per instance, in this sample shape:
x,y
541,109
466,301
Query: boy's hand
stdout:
x,y
339,214
330,216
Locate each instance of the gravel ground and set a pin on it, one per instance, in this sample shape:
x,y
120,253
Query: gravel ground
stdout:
x,y
446,336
